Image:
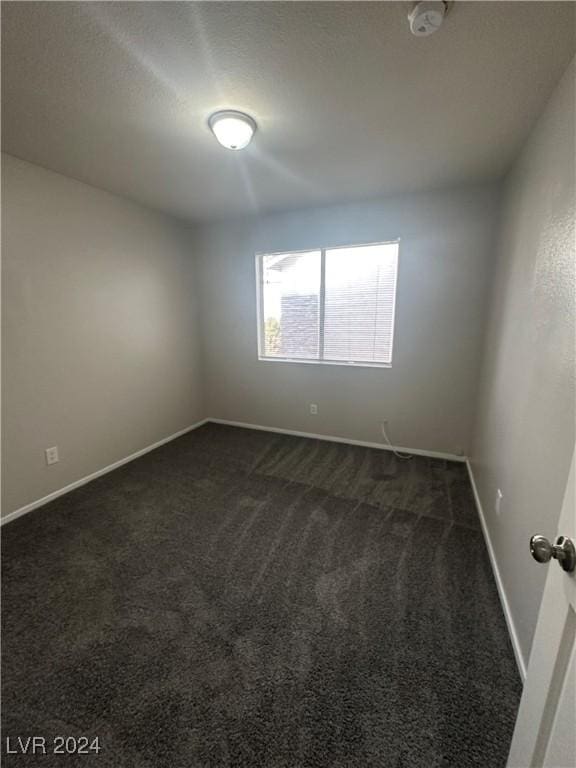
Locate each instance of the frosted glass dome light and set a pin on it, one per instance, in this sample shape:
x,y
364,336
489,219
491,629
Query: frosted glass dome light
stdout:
x,y
234,130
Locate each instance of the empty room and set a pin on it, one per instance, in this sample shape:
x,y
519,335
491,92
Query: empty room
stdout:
x,y
288,384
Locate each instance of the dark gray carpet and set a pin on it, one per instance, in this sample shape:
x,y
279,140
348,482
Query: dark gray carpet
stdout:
x,y
240,598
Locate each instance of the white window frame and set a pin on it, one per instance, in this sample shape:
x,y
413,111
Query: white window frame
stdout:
x,y
259,260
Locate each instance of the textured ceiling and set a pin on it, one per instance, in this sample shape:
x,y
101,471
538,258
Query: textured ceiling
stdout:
x,y
349,104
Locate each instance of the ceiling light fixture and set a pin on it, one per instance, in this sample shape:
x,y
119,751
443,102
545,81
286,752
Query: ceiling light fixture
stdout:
x,y
234,130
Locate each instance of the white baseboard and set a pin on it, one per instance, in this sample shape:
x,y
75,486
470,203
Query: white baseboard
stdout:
x,y
333,439
501,591
83,480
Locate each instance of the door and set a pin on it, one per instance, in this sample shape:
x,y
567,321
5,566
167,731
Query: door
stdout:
x,y
544,736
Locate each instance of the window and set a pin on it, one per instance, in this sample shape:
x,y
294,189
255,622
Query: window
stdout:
x,y
333,305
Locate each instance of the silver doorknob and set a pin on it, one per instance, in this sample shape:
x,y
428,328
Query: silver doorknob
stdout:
x,y
563,551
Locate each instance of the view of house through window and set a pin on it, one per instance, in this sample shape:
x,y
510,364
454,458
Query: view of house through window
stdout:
x,y
333,305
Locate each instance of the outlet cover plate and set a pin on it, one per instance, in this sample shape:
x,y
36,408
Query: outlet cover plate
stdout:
x,y
52,455
498,502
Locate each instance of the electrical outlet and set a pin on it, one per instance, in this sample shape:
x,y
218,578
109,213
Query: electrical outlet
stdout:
x,y
314,409
498,502
52,455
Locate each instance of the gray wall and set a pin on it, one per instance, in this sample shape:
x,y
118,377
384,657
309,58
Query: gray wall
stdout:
x,y
525,424
428,395
100,351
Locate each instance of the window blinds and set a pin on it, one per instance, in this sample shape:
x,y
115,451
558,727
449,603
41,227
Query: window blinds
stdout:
x,y
334,305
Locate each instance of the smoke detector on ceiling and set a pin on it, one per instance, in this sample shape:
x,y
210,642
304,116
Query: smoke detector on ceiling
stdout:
x,y
426,17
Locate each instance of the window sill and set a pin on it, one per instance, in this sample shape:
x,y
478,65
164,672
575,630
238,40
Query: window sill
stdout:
x,y
340,363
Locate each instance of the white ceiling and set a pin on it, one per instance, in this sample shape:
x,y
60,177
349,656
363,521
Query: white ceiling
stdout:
x,y
349,104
